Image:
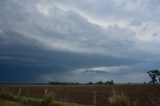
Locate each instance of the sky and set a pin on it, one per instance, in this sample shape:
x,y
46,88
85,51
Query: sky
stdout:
x,y
78,40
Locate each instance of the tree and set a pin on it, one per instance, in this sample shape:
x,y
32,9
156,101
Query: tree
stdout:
x,y
109,82
153,75
99,83
90,83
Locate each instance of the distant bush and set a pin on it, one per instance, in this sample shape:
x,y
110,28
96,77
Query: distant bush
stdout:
x,y
119,100
48,100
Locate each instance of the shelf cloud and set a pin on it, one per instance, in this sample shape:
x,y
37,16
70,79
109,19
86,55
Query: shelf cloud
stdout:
x,y
58,38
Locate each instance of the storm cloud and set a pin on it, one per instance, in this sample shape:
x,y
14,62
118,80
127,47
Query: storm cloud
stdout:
x,y
43,40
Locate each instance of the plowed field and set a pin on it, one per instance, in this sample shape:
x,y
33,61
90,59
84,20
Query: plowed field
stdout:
x,y
89,95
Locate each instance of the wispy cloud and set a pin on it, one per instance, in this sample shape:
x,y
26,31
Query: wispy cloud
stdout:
x,y
113,69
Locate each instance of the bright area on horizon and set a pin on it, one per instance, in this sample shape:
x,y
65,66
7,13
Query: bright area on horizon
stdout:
x,y
79,40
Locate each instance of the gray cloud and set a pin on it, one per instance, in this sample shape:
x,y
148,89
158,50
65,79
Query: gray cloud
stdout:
x,y
69,35
69,31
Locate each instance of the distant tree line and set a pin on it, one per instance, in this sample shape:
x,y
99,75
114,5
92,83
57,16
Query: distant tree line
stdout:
x,y
101,83
77,83
63,83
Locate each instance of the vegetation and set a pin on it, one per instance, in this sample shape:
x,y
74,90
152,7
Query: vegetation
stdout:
x,y
77,83
119,100
9,103
48,100
155,101
153,74
9,99
8,96
122,100
20,99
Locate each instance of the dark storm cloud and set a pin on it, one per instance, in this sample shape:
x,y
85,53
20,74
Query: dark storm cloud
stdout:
x,y
53,40
20,55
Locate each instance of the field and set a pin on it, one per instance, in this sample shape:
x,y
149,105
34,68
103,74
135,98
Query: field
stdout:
x,y
142,95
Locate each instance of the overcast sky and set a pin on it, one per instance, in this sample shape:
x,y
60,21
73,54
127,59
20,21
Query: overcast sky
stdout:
x,y
79,40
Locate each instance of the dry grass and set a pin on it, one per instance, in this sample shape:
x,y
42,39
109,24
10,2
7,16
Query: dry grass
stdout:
x,y
155,101
48,100
119,99
9,103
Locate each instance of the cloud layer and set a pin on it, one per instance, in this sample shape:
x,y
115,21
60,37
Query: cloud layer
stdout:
x,y
55,39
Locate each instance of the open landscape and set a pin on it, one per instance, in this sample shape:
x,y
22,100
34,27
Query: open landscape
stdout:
x,y
79,52
139,95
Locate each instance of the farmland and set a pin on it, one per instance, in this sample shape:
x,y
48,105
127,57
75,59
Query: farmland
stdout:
x,y
143,95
